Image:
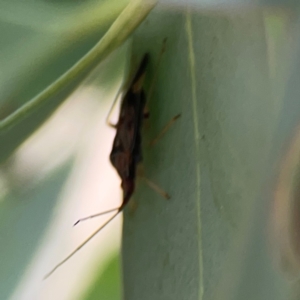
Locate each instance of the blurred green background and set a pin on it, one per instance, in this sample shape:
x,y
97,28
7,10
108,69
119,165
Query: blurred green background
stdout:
x,y
40,41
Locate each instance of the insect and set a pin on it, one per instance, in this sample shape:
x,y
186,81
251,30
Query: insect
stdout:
x,y
126,152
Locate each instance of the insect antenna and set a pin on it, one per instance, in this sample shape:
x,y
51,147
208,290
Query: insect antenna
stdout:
x,y
82,244
125,85
96,215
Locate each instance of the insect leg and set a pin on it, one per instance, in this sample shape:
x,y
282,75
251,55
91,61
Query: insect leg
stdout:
x,y
156,188
164,130
151,184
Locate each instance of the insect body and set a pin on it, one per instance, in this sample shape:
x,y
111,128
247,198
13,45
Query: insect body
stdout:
x,y
126,152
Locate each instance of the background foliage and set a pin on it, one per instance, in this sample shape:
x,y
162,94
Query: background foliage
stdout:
x,y
230,227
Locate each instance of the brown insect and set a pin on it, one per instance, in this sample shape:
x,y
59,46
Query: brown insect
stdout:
x,y
126,152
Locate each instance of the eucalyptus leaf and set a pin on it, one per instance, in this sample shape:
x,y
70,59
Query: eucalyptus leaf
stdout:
x,y
218,5
209,240
284,160
107,284
24,216
15,128
60,17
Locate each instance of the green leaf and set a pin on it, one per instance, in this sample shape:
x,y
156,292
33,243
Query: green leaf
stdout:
x,y
15,128
107,284
60,18
225,4
24,216
209,240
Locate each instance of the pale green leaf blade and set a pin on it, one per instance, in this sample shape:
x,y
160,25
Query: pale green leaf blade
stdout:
x,y
15,128
209,240
107,284
25,215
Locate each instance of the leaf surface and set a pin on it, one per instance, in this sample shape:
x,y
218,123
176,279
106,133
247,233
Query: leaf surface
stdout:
x,y
209,240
